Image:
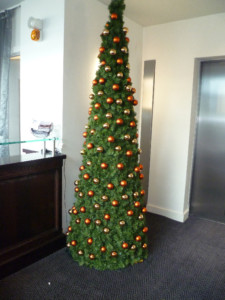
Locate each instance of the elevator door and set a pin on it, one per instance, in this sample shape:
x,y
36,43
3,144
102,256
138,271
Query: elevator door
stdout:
x,y
208,181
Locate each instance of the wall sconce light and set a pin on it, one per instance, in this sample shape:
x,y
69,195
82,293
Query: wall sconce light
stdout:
x,y
36,25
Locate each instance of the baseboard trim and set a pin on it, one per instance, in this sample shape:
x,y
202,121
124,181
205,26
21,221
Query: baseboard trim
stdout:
x,y
169,213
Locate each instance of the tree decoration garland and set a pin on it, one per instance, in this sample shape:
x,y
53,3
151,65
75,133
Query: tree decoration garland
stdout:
x,y
108,227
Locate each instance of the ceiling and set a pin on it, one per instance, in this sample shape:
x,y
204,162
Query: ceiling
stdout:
x,y
153,12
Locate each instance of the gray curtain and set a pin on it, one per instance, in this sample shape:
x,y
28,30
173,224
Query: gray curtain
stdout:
x,y
5,53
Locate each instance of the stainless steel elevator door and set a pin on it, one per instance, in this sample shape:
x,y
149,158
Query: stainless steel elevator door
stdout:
x,y
208,181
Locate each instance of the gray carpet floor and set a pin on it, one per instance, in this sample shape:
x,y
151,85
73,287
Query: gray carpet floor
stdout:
x,y
186,261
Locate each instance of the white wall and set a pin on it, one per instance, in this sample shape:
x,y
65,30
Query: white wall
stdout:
x,y
84,21
174,46
42,65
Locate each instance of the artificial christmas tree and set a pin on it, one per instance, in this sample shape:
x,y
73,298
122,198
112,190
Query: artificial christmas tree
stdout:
x,y
107,228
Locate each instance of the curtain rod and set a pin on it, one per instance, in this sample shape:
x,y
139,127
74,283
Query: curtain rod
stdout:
x,y
10,8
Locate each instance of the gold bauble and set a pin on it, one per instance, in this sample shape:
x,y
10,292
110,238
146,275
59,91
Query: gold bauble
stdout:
x,y
105,32
91,256
70,211
82,152
139,151
78,221
68,245
112,51
118,148
91,96
89,163
126,111
131,175
119,101
134,141
135,194
81,194
93,131
122,223
144,246
98,222
100,93
125,30
106,125
105,198
67,233
108,115
127,137
106,230
120,75
141,217
128,66
87,126
114,253
96,206
128,88
80,252
124,197
133,247
107,68
96,180
100,149
76,182
124,50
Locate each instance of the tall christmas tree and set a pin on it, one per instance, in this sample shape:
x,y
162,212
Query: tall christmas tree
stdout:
x,y
107,228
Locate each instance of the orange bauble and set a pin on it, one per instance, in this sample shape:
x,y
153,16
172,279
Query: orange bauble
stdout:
x,y
102,80
144,209
141,167
82,168
128,79
115,203
83,209
69,228
135,102
123,183
107,217
97,105
116,87
110,186
137,135
85,134
87,221
109,100
145,229
132,124
101,49
130,98
130,212
104,166
95,117
133,90
111,139
125,245
86,176
120,166
119,121
75,212
119,61
114,16
103,249
138,238
129,153
137,169
94,82
103,62
141,176
90,241
127,39
76,189
90,145
91,193
73,243
137,204
142,192
116,39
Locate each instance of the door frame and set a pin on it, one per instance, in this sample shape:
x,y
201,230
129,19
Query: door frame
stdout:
x,y
194,123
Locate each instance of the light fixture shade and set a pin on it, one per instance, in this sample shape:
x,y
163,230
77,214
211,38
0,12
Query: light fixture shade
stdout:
x,y
35,23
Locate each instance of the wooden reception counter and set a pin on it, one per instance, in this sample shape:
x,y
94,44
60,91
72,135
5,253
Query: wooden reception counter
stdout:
x,y
30,209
